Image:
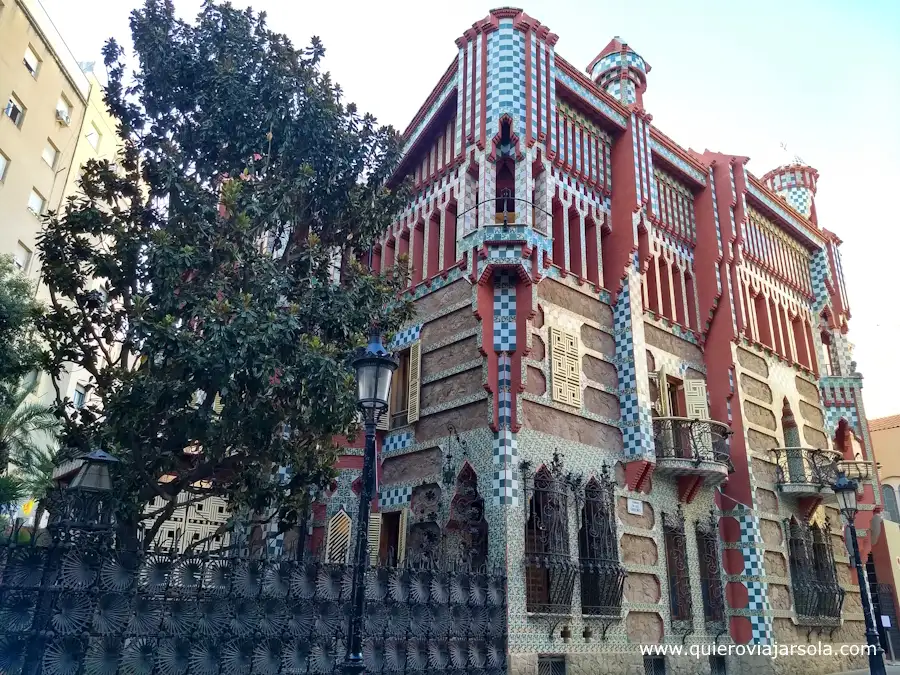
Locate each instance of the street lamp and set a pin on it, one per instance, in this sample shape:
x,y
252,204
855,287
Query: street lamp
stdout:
x,y
847,498
375,368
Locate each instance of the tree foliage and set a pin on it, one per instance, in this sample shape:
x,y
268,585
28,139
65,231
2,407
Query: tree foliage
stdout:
x,y
194,279
19,349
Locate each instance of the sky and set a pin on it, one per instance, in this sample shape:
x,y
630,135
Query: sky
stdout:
x,y
819,77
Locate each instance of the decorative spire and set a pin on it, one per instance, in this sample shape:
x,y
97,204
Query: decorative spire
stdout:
x,y
621,72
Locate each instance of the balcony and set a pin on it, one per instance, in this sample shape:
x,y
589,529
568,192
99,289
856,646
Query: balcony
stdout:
x,y
692,447
806,472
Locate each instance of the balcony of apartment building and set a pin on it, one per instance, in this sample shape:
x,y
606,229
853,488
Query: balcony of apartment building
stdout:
x,y
806,472
688,446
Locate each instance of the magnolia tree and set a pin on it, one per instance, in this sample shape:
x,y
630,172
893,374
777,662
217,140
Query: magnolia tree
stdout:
x,y
194,278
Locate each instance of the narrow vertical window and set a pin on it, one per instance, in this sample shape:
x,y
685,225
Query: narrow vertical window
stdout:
x,y
602,575
677,570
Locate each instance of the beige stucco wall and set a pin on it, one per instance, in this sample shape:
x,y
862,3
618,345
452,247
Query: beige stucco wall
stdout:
x,y
23,23
886,442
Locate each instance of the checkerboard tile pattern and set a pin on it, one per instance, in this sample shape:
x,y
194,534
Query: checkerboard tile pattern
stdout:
x,y
405,337
800,198
819,273
395,496
505,311
506,78
396,442
505,482
634,394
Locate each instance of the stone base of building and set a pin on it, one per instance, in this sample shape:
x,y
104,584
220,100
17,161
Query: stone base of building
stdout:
x,y
633,664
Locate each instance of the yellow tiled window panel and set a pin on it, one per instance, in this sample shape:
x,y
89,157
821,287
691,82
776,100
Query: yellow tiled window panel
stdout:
x,y
565,365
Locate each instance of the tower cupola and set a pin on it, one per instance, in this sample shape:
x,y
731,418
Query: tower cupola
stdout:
x,y
796,182
621,71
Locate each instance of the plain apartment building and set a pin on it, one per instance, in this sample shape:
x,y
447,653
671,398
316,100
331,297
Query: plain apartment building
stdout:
x,y
53,121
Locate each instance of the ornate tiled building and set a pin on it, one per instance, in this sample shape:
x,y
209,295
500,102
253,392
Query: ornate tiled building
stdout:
x,y
628,379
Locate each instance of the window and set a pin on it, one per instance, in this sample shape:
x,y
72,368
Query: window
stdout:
x,y
15,110
549,570
710,571
551,665
654,665
78,397
50,154
4,165
602,577
387,538
22,257
890,503
31,61
36,202
63,110
93,137
717,665
818,596
565,363
337,546
403,407
677,567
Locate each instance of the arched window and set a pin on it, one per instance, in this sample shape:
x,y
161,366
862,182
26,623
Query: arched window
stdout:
x,y
467,530
677,566
709,557
818,597
890,503
602,575
337,545
549,570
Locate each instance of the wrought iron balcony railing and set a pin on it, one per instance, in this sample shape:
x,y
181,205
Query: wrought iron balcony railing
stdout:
x,y
550,582
692,442
806,471
602,584
818,602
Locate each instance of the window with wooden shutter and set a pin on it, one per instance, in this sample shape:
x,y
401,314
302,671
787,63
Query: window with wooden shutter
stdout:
x,y
217,405
695,399
374,537
401,536
415,369
337,545
565,364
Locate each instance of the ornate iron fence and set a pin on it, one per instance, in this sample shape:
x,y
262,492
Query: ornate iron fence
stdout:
x,y
71,602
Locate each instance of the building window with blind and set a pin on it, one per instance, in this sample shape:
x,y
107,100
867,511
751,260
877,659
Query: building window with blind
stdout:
x,y
709,557
337,543
602,574
565,366
818,597
549,568
678,572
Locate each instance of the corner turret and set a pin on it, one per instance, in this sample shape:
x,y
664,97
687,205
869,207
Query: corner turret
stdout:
x,y
620,71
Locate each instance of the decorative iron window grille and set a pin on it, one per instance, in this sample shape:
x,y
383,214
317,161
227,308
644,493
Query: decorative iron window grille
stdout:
x,y
549,568
654,665
551,665
691,439
717,665
602,574
711,572
677,567
818,597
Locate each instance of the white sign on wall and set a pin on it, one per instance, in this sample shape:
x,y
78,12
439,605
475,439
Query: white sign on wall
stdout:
x,y
636,507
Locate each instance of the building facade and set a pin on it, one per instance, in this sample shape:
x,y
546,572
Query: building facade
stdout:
x,y
628,382
54,120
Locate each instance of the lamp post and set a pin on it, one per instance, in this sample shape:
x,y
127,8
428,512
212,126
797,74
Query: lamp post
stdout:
x,y
845,489
374,369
